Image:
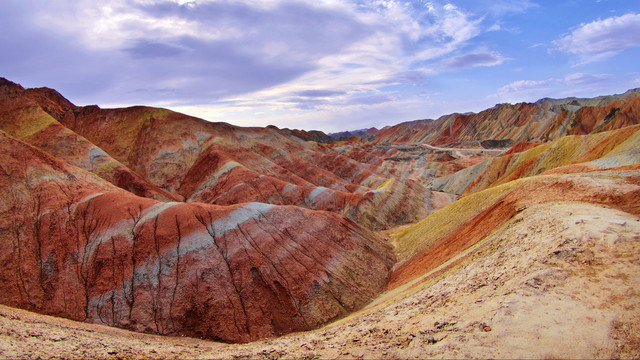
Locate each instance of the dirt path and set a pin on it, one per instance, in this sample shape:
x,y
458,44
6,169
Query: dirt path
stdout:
x,y
472,150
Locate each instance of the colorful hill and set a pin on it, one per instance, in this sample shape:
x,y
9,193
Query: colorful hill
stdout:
x,y
508,233
547,119
161,154
76,246
613,148
27,115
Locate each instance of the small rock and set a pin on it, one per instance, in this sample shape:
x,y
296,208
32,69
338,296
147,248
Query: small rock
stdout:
x,y
431,339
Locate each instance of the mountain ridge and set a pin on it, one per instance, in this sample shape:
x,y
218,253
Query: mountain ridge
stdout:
x,y
154,221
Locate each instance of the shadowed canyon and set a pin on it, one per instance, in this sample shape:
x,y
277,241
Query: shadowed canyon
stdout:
x,y
145,233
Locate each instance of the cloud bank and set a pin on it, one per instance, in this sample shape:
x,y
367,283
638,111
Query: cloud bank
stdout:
x,y
328,64
273,52
601,39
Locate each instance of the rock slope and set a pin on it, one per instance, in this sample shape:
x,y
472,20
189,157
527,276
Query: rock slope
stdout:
x,y
545,120
559,280
29,116
76,246
440,239
165,155
601,151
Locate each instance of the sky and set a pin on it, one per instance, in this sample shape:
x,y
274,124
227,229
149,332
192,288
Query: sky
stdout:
x,y
330,65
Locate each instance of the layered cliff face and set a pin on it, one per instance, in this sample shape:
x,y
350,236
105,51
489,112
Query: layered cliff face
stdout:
x,y
109,217
76,246
222,164
165,155
598,151
32,116
545,120
474,148
456,232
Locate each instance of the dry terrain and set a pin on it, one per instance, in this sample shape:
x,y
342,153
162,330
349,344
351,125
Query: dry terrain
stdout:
x,y
559,280
144,233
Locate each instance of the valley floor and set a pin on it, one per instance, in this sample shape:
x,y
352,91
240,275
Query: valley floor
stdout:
x,y
559,280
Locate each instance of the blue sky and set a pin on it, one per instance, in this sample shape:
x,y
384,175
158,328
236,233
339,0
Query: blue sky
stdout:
x,y
313,64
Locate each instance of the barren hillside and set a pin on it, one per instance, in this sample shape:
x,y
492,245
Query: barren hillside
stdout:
x,y
559,280
514,232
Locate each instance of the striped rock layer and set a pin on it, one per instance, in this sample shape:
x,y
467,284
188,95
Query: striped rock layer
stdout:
x,y
544,120
168,156
76,246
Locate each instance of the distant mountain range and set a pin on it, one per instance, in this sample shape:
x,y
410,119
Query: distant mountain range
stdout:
x,y
546,119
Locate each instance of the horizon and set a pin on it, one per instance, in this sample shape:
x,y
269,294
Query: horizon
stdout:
x,y
331,66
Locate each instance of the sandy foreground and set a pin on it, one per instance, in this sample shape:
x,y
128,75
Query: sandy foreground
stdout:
x,y
559,280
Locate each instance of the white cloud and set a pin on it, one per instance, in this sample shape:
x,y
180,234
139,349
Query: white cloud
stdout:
x,y
523,90
601,39
112,23
359,112
401,35
582,79
245,58
575,84
479,57
528,89
346,45
523,85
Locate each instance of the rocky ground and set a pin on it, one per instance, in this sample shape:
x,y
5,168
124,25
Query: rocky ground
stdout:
x,y
559,280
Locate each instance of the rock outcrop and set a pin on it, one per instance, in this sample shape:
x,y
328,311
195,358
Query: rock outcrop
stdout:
x,y
601,168
76,246
165,155
312,135
32,116
544,120
600,151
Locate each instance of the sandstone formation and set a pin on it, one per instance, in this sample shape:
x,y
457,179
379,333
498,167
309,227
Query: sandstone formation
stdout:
x,y
559,280
32,116
604,170
76,246
613,148
519,233
165,155
544,120
354,135
313,135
